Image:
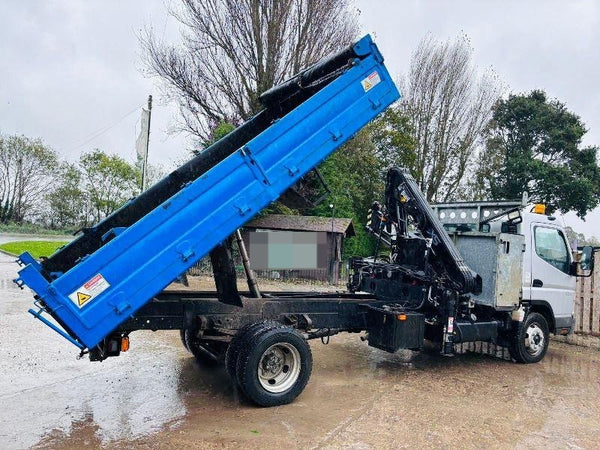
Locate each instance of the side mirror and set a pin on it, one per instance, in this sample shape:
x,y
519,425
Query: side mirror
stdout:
x,y
586,262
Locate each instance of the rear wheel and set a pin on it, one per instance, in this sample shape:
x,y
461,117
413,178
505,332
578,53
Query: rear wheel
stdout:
x,y
274,367
182,336
530,340
240,339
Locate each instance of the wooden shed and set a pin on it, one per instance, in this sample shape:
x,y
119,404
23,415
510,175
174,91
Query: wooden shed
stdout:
x,y
307,247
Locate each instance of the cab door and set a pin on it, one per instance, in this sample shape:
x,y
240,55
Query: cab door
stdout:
x,y
550,264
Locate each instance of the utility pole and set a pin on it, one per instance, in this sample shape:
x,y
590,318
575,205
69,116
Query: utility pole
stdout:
x,y
145,159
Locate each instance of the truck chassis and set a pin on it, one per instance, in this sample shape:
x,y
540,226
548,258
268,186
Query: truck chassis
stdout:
x,y
216,332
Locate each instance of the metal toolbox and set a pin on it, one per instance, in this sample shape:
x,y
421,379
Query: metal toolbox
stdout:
x,y
392,329
498,259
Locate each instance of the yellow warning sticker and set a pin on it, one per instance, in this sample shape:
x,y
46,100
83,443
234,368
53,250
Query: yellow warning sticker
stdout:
x,y
82,298
371,81
90,290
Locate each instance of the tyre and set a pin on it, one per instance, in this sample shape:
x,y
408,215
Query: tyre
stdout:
x,y
182,336
530,340
206,352
274,367
239,340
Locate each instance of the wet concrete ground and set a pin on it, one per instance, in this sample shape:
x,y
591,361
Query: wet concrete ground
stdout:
x,y
156,396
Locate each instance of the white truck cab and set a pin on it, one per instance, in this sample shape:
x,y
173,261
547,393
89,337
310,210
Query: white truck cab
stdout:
x,y
549,270
548,277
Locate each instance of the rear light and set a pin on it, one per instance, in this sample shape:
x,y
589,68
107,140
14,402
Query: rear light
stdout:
x,y
125,343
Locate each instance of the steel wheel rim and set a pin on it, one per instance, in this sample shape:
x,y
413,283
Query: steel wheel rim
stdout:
x,y
279,367
534,339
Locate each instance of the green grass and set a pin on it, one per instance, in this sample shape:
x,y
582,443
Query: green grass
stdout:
x,y
36,248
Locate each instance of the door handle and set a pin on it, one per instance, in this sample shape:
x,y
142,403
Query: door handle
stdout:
x,y
537,283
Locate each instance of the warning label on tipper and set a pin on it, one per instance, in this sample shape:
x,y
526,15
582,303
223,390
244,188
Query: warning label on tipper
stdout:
x,y
89,291
371,81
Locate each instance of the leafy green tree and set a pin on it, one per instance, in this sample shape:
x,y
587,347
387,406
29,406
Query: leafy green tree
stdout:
x,y
353,176
108,181
221,130
66,202
356,172
393,141
534,145
27,169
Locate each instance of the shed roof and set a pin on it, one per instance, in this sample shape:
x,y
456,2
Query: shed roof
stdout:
x,y
303,223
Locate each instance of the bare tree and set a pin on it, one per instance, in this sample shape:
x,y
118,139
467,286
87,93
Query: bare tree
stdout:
x,y
27,168
449,105
233,50
68,206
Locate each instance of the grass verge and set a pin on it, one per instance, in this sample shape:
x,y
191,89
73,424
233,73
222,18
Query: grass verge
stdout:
x,y
36,248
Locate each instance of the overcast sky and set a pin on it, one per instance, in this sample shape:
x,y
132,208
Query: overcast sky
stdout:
x,y
70,70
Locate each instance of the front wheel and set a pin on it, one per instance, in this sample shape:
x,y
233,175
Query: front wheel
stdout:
x,y
530,340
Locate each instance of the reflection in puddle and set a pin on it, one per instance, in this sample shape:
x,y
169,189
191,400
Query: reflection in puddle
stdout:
x,y
125,399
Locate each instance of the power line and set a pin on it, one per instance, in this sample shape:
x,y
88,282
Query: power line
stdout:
x,y
99,132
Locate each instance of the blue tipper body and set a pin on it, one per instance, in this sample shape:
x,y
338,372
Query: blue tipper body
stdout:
x,y
107,287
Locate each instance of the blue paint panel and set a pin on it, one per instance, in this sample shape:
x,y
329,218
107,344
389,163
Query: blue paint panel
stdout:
x,y
145,257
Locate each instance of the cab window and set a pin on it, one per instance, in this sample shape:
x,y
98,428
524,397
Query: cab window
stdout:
x,y
550,245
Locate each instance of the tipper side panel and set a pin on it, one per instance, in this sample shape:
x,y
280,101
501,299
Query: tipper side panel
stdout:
x,y
107,287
